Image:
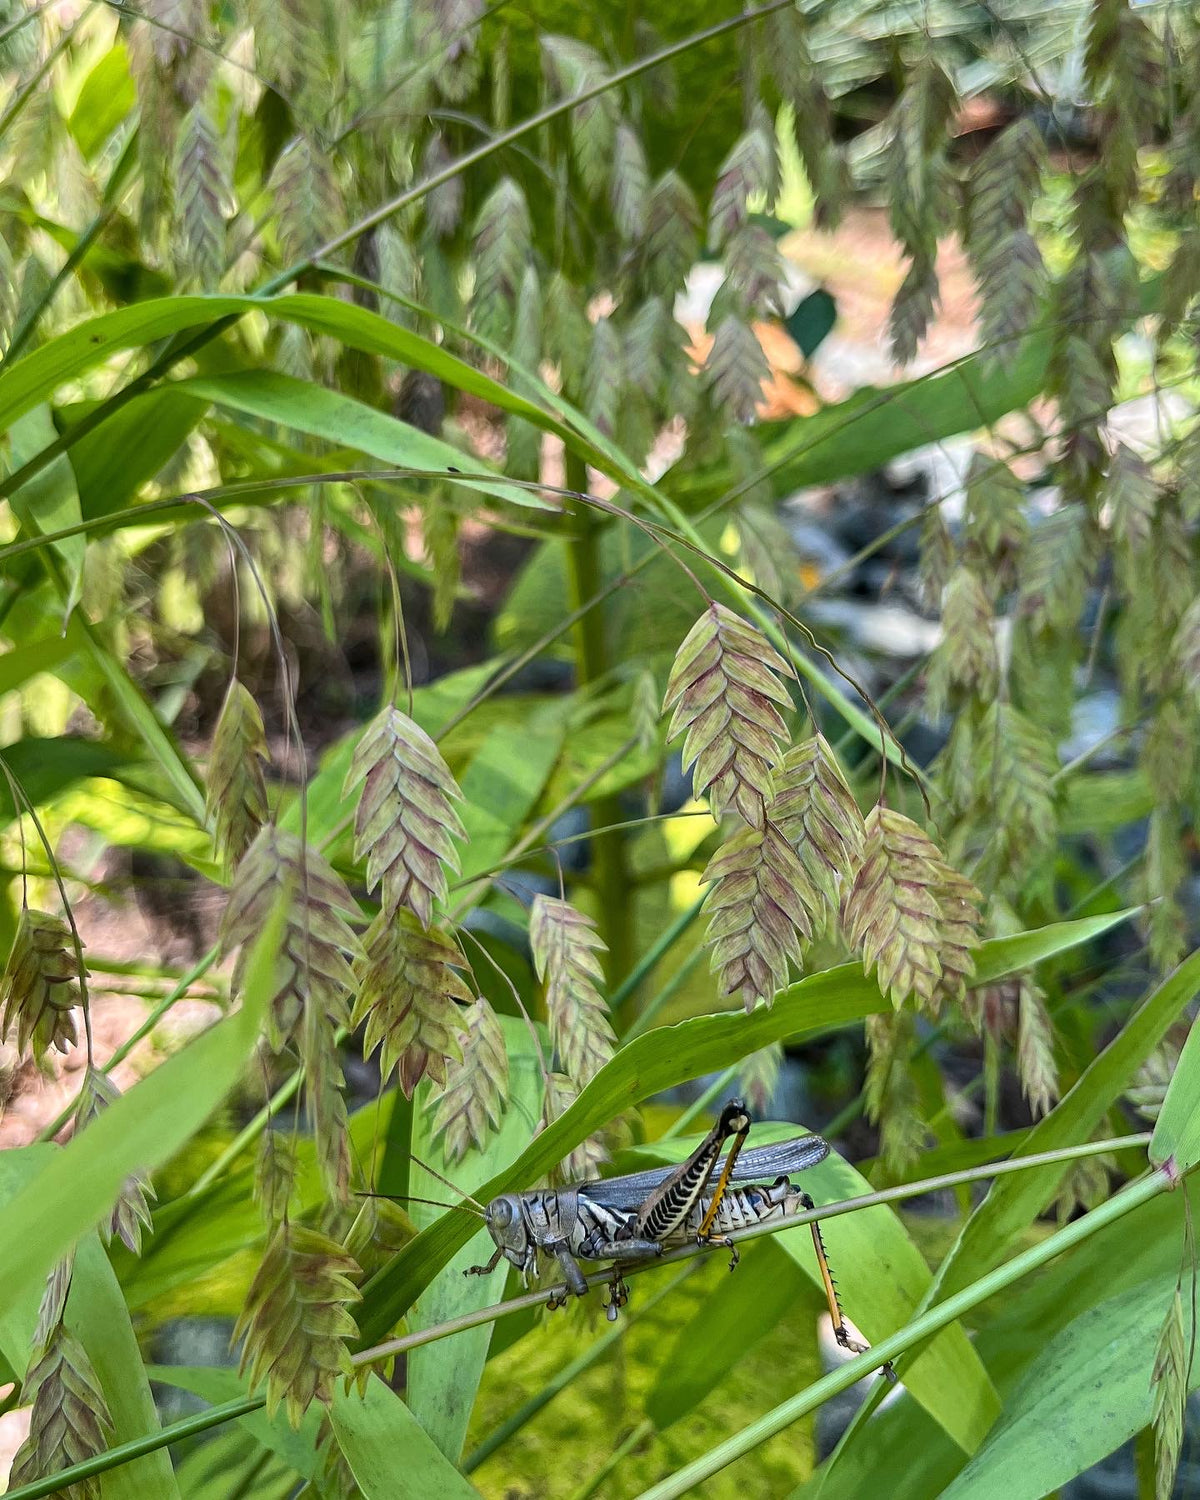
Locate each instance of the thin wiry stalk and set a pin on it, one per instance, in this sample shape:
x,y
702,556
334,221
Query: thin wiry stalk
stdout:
x,y
1123,1202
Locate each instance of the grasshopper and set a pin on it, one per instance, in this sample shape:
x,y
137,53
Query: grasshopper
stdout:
x,y
634,1218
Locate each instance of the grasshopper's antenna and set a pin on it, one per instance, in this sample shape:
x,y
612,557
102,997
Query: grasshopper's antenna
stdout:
x,y
445,1181
431,1202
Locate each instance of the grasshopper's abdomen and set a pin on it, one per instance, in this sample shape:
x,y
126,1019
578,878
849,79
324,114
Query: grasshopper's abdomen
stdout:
x,y
741,1207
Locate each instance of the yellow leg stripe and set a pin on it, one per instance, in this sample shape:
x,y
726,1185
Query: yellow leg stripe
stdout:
x,y
722,1183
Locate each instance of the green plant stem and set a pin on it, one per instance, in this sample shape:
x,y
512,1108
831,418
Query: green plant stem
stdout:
x,y
913,1333
685,1480
568,1374
592,1484
644,1021
591,668
661,945
698,1106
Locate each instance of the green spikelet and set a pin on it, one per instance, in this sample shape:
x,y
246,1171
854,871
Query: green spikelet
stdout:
x,y
296,1320
236,796
406,824
471,1105
725,685
410,985
565,956
39,989
70,1421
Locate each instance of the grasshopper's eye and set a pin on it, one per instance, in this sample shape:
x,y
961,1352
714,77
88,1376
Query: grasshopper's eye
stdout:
x,y
500,1213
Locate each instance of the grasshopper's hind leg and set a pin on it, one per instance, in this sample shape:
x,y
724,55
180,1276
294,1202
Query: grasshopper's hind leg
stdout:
x,y
840,1331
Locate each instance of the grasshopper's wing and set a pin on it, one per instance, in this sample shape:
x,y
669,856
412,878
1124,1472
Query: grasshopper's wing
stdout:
x,y
756,1164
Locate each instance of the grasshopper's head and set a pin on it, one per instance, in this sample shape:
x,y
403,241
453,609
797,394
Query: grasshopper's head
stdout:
x,y
507,1227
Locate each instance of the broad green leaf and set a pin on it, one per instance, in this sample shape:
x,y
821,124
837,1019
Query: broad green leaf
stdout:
x,y
45,767
390,1454
106,98
1086,1394
670,1055
229,1462
443,1377
902,1453
23,662
130,447
502,783
98,1317
1177,1130
219,1384
1015,1201
327,414
724,1329
882,1278
49,500
78,1185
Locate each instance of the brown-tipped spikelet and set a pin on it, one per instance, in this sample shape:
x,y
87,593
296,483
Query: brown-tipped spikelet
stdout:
x,y
469,1108
53,1304
565,945
894,912
311,966
1169,1383
725,684
816,812
40,985
758,905
409,989
295,1320
406,823
584,1163
236,797
70,1420
132,1210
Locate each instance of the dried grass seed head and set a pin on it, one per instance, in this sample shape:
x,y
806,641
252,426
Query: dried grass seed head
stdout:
x,y
726,691
406,824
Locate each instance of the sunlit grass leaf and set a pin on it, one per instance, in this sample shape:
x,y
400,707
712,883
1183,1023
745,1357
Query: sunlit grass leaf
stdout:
x,y
132,1211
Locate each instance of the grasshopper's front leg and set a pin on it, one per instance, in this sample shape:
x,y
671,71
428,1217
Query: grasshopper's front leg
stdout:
x,y
489,1268
572,1275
